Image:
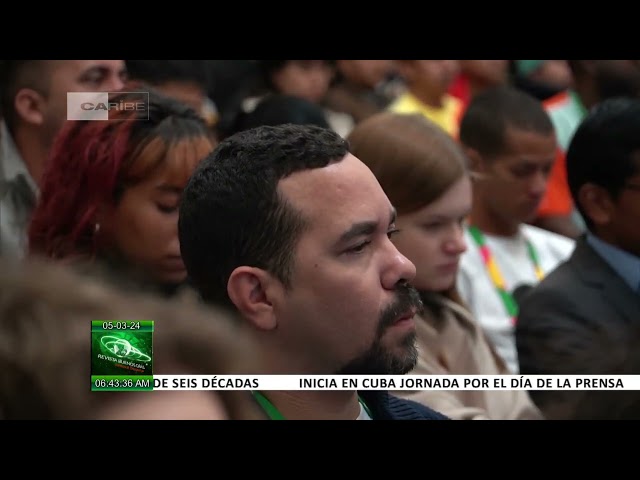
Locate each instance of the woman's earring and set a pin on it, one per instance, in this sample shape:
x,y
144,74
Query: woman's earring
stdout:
x,y
96,228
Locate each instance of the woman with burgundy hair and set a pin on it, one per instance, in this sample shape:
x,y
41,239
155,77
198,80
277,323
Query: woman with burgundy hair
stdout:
x,y
111,190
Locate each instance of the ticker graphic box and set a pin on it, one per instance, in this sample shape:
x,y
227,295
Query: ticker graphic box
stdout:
x,y
122,355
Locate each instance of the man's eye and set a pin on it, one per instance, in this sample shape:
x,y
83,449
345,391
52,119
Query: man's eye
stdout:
x,y
359,248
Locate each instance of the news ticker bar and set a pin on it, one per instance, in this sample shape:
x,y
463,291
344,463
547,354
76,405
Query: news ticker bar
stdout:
x,y
363,382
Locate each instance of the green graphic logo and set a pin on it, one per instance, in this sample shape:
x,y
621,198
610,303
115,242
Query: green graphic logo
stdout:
x,y
122,348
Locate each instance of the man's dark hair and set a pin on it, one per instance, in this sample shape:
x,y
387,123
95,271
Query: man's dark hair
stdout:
x,y
605,149
231,213
492,112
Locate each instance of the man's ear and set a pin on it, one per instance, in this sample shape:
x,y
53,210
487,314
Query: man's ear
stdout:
x,y
30,105
596,203
249,289
477,165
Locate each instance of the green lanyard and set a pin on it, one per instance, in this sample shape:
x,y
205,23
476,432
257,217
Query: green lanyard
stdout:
x,y
495,275
274,413
267,406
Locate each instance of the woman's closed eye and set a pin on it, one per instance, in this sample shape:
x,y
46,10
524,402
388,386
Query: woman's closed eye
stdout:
x,y
433,225
167,208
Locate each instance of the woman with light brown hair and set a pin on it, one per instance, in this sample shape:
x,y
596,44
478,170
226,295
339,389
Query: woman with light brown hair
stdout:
x,y
424,173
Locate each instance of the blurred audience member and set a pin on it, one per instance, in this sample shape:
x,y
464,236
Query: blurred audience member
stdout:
x,y
306,79
593,82
45,350
363,87
111,191
428,83
280,109
33,108
478,75
541,78
184,80
230,82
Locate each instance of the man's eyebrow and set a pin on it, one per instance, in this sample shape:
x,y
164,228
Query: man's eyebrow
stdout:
x,y
364,228
358,230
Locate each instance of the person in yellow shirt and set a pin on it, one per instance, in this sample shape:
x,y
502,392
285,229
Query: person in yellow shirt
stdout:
x,y
428,82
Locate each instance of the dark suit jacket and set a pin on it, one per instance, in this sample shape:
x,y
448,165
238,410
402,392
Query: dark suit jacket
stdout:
x,y
583,319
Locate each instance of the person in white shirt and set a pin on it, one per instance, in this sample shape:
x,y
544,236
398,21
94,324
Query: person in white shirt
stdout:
x,y
511,145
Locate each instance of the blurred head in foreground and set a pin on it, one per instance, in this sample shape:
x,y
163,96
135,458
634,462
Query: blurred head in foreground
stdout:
x,y
45,350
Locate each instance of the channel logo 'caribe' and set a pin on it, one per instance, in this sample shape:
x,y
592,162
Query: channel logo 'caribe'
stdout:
x,y
124,106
